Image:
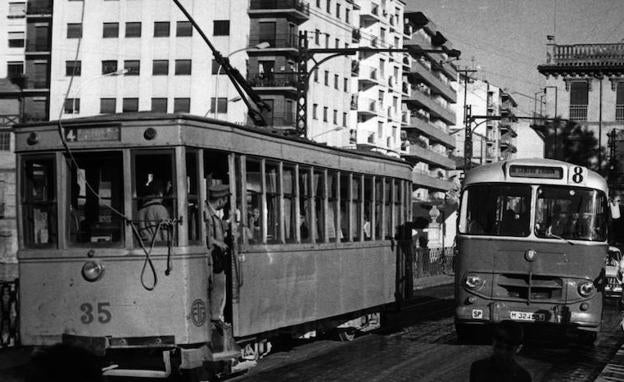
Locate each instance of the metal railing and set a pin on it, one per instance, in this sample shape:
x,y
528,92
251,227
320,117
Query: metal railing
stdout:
x,y
299,5
578,112
273,80
279,40
8,120
432,261
9,313
280,119
619,112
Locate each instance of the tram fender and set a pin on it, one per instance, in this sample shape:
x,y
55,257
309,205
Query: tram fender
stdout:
x,y
194,358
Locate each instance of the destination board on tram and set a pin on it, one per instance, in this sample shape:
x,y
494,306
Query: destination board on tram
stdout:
x,y
108,133
543,172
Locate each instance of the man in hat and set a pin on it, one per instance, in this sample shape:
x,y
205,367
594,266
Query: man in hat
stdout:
x,y
152,213
501,365
217,199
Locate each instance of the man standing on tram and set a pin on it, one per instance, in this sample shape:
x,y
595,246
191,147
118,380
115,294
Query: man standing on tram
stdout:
x,y
217,199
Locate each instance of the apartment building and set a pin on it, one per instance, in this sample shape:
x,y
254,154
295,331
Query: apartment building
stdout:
x,y
585,83
493,140
428,97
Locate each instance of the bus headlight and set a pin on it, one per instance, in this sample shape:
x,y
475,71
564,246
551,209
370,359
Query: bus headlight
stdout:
x,y
92,271
474,281
586,288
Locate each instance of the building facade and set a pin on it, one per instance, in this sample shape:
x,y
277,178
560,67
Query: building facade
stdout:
x,y
585,84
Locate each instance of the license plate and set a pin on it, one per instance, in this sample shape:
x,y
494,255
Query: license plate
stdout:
x,y
525,316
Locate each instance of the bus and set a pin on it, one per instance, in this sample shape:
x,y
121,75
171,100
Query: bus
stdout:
x,y
311,231
531,244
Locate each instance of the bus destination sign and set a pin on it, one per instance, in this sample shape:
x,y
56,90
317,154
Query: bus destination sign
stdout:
x,y
543,172
112,133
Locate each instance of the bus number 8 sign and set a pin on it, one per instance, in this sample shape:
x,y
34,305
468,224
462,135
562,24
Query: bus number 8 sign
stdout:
x,y
577,175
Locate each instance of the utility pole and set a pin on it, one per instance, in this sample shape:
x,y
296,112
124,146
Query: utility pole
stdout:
x,y
463,73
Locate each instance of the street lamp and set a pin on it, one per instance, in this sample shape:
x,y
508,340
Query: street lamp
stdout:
x,y
262,45
119,72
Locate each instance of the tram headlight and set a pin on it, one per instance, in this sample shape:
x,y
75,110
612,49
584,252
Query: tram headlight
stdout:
x,y
586,288
92,271
474,281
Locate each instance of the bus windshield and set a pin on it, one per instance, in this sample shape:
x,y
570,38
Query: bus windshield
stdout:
x,y
496,210
570,213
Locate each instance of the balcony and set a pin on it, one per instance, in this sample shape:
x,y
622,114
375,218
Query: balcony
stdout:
x,y
506,144
417,42
584,58
619,112
356,35
369,77
435,109
578,112
39,9
368,107
416,153
437,86
294,9
433,132
273,82
37,47
406,63
370,15
507,128
280,119
280,41
423,179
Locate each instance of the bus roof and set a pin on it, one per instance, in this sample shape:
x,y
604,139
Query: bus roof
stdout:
x,y
536,171
50,141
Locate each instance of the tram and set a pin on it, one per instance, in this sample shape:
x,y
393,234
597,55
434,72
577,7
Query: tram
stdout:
x,y
312,230
532,239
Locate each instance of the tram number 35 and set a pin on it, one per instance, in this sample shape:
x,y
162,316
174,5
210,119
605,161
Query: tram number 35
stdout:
x,y
103,314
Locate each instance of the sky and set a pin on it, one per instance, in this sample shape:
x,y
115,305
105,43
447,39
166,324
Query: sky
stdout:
x,y
507,38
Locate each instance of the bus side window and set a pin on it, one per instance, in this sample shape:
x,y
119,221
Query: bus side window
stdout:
x,y
39,206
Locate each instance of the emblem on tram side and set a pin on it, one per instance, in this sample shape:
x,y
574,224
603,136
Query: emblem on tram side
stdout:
x,y
198,312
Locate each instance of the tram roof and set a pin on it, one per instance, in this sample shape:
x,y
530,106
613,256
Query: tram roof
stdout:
x,y
498,173
144,118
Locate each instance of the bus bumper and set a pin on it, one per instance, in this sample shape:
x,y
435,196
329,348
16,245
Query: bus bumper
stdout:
x,y
568,315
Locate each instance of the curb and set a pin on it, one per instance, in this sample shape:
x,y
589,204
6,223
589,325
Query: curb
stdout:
x,y
614,370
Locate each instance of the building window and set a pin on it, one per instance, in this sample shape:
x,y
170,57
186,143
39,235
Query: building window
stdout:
x,y
5,145
182,67
317,37
132,67
221,28
344,119
159,105
619,102
160,67
220,104
336,81
380,128
184,29
72,106
314,111
181,105
316,75
133,29
108,105
109,66
15,69
161,29
329,6
74,30
318,3
337,43
326,78
347,14
326,40
346,84
337,10
335,117
215,68
325,110
72,68
130,105
579,97
17,10
110,30
16,39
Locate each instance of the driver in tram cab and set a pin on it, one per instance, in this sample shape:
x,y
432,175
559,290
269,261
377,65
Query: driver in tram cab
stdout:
x,y
152,213
560,224
218,195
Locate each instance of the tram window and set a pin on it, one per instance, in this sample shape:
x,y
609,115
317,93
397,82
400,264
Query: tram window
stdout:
x,y
289,204
388,208
356,208
154,189
496,210
344,209
570,213
319,204
332,189
95,190
193,197
378,206
368,208
396,203
216,171
39,207
305,206
271,172
254,201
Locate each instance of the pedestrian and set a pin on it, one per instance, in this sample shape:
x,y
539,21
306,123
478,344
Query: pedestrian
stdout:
x,y
501,366
153,214
217,199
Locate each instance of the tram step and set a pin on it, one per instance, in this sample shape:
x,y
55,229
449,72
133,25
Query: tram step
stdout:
x,y
224,355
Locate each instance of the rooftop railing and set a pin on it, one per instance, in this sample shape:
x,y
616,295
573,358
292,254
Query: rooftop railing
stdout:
x,y
587,54
299,5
